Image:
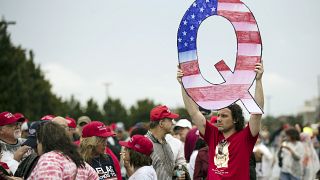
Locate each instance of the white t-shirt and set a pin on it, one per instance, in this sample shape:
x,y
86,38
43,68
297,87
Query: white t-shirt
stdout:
x,y
289,164
192,163
264,167
177,148
8,153
144,173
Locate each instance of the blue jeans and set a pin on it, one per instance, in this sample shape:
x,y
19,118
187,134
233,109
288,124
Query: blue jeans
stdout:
x,y
287,176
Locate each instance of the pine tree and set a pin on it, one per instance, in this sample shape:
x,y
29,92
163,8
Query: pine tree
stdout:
x,y
23,87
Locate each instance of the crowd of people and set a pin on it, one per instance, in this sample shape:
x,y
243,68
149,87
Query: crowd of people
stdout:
x,y
211,145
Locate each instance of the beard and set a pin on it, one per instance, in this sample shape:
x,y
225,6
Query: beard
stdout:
x,y
220,129
17,134
224,129
168,131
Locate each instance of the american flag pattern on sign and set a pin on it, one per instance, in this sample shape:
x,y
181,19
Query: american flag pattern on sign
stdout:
x,y
237,83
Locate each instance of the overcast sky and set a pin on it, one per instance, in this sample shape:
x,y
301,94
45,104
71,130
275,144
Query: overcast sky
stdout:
x,y
81,45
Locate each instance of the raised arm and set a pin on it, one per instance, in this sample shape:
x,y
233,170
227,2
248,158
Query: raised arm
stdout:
x,y
193,109
255,119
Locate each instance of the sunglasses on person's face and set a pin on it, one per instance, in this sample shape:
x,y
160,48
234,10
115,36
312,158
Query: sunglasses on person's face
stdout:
x,y
82,124
17,124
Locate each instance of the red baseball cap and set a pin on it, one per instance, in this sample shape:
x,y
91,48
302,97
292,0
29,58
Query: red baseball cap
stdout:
x,y
109,129
96,128
71,122
139,143
213,119
48,117
20,116
8,118
161,112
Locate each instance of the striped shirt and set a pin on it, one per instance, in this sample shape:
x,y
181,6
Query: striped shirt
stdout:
x,y
55,165
162,158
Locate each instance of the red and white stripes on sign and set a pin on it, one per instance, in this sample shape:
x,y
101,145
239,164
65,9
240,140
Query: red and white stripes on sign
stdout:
x,y
249,41
249,45
243,63
218,93
236,83
198,81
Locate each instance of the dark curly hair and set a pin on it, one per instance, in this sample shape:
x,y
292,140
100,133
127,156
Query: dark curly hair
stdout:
x,y
138,130
53,137
138,159
237,116
293,134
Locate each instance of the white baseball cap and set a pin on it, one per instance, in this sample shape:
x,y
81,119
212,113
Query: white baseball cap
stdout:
x,y
184,123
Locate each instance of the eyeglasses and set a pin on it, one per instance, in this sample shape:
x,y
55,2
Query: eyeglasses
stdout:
x,y
17,124
82,124
178,128
103,141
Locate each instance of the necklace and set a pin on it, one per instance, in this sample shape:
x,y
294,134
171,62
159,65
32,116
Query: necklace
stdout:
x,y
221,146
98,161
100,173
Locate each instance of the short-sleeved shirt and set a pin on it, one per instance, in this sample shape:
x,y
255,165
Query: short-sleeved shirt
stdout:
x,y
55,165
104,166
162,158
229,157
144,173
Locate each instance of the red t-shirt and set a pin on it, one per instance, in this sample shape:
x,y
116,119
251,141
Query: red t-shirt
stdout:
x,y
229,158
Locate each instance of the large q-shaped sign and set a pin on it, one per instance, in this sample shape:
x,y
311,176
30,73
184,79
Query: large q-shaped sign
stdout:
x,y
236,84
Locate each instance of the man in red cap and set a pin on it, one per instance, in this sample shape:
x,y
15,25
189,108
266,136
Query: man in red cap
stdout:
x,y
162,157
10,133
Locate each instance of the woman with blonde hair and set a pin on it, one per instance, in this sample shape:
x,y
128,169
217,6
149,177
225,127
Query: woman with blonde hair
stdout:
x,y
93,144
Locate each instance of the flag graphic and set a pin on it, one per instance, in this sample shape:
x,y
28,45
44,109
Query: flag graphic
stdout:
x,y
249,49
